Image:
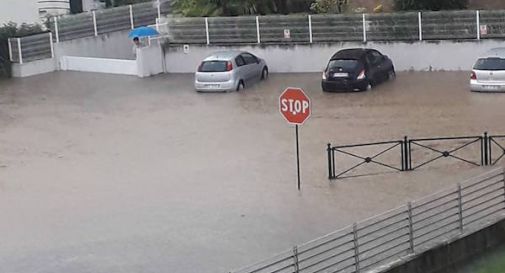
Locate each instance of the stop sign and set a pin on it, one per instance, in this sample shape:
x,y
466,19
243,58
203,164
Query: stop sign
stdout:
x,y
294,105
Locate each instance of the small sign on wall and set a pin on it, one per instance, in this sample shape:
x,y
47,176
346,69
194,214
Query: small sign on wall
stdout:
x,y
185,48
483,30
287,34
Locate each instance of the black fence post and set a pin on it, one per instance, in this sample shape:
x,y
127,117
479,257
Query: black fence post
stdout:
x,y
486,149
330,172
406,157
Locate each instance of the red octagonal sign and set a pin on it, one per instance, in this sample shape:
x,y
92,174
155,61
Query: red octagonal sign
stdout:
x,y
294,105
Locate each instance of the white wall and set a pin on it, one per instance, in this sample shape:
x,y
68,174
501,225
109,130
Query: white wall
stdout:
x,y
19,11
114,45
418,56
149,60
99,65
33,68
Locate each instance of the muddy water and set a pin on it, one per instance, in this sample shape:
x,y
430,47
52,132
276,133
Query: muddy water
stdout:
x,y
103,173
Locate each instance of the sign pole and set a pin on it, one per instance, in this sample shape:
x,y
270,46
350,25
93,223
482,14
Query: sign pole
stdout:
x,y
297,157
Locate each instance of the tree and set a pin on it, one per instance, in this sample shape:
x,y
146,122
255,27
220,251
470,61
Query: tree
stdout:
x,y
239,7
430,4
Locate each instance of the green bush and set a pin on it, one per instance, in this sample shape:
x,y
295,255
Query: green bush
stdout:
x,y
430,4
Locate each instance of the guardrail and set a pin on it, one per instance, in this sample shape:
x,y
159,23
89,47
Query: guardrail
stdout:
x,y
409,229
411,154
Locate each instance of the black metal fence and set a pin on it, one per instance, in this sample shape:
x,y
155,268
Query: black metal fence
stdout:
x,y
411,154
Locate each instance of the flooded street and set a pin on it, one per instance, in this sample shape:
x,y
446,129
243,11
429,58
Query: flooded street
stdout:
x,y
102,173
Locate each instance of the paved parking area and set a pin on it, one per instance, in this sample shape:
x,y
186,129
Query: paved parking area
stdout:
x,y
102,173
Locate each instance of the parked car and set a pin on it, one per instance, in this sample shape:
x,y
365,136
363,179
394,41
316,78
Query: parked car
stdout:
x,y
488,74
357,69
229,71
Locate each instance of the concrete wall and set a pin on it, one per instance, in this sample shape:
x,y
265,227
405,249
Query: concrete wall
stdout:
x,y
34,68
417,56
150,60
451,256
99,65
114,45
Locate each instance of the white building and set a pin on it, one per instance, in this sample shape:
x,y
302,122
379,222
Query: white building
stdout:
x,y
33,11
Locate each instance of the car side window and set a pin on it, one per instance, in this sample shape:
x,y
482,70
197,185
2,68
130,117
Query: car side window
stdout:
x,y
249,58
377,57
239,61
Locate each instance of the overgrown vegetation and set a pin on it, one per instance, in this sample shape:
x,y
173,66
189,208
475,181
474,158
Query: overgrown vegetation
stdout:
x,y
11,30
430,4
240,7
118,3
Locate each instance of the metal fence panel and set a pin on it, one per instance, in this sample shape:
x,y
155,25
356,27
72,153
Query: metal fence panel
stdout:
x,y
284,29
75,26
448,25
337,28
492,24
187,30
145,14
116,19
36,47
233,30
392,27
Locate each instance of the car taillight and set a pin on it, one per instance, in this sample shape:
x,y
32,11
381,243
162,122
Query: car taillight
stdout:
x,y
473,76
362,75
229,66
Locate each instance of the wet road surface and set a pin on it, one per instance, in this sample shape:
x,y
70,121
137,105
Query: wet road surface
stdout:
x,y
102,173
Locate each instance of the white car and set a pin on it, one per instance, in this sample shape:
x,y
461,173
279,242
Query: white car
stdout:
x,y
229,71
488,74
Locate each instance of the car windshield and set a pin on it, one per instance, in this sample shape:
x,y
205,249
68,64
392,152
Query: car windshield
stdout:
x,y
213,66
490,64
343,63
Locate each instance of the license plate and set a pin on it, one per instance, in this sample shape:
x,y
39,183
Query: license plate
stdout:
x,y
214,86
492,87
341,75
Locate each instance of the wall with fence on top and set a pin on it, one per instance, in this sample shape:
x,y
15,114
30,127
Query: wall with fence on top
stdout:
x,y
410,229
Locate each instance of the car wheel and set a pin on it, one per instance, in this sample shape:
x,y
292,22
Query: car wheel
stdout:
x,y
240,85
391,75
264,74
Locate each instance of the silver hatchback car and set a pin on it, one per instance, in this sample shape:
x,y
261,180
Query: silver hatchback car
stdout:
x,y
229,71
488,74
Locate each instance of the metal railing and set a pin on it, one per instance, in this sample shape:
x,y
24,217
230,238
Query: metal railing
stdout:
x,y
303,29
412,154
31,48
412,228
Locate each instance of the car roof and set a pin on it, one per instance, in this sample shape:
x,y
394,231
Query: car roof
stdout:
x,y
351,53
495,52
224,55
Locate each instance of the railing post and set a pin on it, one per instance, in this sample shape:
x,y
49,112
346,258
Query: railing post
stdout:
x,y
364,28
295,260
132,23
56,30
356,247
328,150
94,23
207,30
310,28
19,51
258,29
159,9
420,19
10,48
460,207
477,16
51,43
486,150
411,226
407,153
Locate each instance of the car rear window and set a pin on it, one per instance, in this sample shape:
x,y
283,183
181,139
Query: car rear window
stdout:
x,y
490,64
213,66
343,63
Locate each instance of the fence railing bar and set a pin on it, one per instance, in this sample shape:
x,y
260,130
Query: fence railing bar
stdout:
x,y
259,266
207,35
420,20
381,227
385,235
434,230
56,30
356,246
481,179
132,23
10,48
434,208
342,269
310,28
51,43
446,138
329,258
158,6
484,216
485,193
425,201
258,29
445,218
364,29
324,251
368,144
20,51
430,239
342,233
427,162
95,27
386,242
485,208
477,17
385,258
387,249
370,220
